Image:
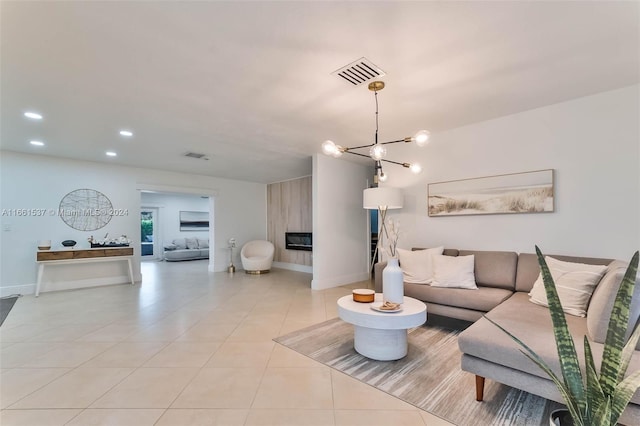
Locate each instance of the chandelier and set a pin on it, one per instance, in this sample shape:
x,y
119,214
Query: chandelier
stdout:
x,y
377,150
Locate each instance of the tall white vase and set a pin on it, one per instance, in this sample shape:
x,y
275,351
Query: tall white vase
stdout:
x,y
392,286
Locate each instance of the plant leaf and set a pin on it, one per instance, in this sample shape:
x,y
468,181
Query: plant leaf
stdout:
x,y
567,355
623,394
596,399
618,324
628,351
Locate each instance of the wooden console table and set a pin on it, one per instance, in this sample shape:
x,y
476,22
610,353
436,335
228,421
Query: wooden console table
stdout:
x,y
73,256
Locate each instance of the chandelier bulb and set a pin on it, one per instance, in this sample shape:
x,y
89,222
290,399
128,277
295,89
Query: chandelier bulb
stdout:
x,y
377,152
383,177
328,147
421,138
415,168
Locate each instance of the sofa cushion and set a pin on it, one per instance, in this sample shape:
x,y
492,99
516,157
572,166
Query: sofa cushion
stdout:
x,y
529,322
494,268
203,244
601,304
575,283
532,324
417,265
180,243
453,272
529,270
482,300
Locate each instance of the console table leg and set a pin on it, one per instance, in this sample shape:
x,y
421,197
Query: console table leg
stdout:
x,y
130,272
39,280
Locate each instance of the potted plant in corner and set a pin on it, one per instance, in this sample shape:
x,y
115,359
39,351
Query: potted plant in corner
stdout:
x,y
600,398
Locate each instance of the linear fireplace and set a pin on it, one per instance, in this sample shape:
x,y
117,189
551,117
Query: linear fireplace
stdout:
x,y
298,241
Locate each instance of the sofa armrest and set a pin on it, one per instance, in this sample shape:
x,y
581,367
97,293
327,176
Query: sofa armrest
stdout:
x,y
170,247
377,272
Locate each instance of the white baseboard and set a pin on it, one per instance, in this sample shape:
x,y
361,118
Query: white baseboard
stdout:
x,y
67,285
293,267
323,284
17,289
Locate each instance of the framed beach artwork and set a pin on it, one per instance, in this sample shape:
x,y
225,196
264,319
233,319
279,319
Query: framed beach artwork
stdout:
x,y
194,221
528,192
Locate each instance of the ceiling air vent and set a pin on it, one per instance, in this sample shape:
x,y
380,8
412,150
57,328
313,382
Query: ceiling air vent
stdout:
x,y
196,155
359,72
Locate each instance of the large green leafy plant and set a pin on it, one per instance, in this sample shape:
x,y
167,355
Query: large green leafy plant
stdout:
x,y
597,399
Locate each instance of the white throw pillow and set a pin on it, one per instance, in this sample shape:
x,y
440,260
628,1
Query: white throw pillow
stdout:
x,y
417,266
454,272
575,283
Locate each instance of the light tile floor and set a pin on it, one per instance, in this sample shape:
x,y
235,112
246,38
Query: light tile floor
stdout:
x,y
185,347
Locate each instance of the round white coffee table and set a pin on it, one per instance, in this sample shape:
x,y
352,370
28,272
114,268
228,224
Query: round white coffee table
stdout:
x,y
381,335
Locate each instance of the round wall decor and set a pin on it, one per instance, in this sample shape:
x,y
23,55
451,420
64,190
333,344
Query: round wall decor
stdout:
x,y
85,209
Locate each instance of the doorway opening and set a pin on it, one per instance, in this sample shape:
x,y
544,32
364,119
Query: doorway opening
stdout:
x,y
149,238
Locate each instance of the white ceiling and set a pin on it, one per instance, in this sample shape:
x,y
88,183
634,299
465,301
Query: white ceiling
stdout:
x,y
250,85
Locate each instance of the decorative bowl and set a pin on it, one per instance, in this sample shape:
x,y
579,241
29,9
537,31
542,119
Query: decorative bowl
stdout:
x,y
44,247
363,295
69,243
44,244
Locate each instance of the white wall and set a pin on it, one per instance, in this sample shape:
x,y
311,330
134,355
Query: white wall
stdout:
x,y
592,143
340,240
40,182
169,208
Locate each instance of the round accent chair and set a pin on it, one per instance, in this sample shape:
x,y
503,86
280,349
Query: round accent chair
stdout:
x,y
257,256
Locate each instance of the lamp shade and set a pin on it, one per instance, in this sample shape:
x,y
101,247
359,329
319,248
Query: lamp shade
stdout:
x,y
388,198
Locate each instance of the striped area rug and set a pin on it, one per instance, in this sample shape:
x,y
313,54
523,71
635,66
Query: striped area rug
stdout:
x,y
429,377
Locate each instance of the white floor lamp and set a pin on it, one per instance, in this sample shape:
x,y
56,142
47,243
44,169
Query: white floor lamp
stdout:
x,y
381,199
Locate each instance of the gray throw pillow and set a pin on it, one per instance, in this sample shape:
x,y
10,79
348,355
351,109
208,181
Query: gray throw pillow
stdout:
x,y
192,243
203,244
180,243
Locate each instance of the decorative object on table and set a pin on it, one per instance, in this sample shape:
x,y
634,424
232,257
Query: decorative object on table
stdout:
x,y
44,244
194,221
363,295
121,241
86,209
392,278
601,399
377,150
231,244
392,282
69,243
381,199
528,192
389,307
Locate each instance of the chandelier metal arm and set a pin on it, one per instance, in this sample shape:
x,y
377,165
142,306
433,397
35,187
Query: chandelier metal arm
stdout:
x,y
348,149
407,165
357,153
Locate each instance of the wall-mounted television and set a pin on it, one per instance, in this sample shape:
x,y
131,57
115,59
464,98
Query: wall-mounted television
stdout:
x,y
298,241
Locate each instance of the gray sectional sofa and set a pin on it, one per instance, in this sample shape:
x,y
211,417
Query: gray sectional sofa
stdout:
x,y
186,249
504,280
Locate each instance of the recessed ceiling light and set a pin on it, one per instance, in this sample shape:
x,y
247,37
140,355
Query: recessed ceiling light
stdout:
x,y
111,153
126,133
33,115
36,143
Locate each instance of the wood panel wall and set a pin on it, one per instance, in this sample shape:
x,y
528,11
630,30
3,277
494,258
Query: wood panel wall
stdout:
x,y
289,210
